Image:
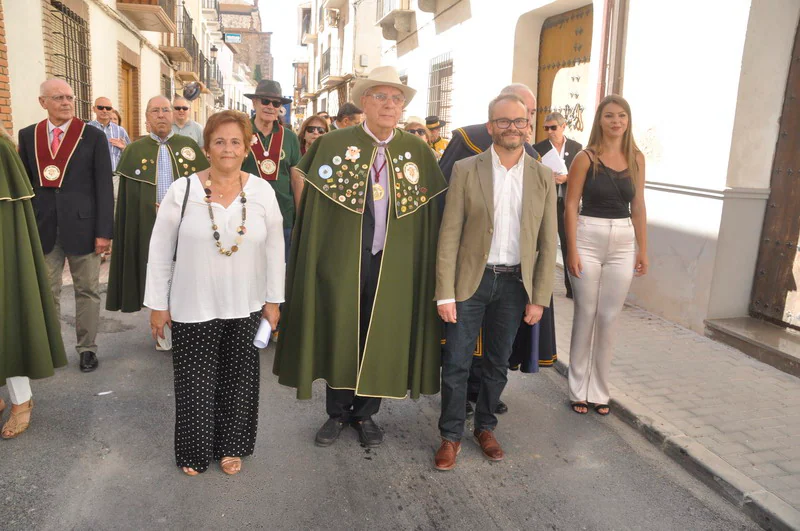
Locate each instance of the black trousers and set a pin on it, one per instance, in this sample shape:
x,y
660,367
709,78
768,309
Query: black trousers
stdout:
x,y
562,236
343,403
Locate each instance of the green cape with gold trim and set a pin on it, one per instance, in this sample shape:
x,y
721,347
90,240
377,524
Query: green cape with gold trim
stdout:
x,y
320,320
136,214
30,332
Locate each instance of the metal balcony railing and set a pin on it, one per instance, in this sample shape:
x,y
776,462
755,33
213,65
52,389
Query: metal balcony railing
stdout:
x,y
329,65
202,64
384,8
211,4
167,5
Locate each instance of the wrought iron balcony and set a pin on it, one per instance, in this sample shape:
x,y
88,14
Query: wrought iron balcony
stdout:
x,y
189,70
330,72
150,15
178,45
394,17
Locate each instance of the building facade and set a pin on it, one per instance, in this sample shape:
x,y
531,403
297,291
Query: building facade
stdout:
x,y
343,44
708,128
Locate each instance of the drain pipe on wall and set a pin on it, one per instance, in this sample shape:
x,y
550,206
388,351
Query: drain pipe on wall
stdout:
x,y
604,46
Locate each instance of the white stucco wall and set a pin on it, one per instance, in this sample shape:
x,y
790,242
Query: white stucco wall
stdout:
x,y
26,64
491,46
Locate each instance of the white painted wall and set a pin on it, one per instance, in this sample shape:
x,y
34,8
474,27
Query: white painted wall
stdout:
x,y
26,64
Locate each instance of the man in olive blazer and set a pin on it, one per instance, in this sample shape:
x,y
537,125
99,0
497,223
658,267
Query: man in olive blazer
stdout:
x,y
496,259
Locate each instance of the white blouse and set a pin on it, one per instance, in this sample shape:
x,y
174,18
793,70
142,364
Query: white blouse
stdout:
x,y
207,285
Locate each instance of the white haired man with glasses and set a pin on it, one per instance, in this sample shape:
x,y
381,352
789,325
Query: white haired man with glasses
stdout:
x,y
359,311
69,166
494,265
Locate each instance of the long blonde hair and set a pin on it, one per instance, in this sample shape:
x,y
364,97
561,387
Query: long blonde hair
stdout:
x,y
629,147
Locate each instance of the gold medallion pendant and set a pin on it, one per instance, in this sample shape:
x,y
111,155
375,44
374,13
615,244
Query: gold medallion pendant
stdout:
x,y
52,173
268,167
377,192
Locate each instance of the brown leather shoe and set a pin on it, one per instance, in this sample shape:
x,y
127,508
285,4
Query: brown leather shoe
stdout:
x,y
446,456
491,448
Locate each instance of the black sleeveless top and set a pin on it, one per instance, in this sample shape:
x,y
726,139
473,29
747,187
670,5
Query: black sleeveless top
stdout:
x,y
607,193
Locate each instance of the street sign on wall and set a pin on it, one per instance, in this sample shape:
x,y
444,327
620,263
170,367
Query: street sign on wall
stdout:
x,y
233,38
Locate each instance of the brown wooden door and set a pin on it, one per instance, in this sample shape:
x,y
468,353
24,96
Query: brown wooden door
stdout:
x,y
127,104
565,43
775,294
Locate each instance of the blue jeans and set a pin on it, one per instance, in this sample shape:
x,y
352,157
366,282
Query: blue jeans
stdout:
x,y
501,299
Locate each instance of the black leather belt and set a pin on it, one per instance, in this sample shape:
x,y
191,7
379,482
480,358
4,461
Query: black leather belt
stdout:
x,y
504,269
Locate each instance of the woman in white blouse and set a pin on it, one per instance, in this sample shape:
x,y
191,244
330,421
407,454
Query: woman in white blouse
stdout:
x,y
228,273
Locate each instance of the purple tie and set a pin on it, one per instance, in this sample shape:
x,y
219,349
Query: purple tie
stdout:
x,y
380,175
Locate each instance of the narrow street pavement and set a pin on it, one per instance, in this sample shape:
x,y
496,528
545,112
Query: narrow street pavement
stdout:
x,y
729,418
104,461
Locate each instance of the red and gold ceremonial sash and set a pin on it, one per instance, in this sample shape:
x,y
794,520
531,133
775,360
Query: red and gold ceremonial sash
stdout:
x,y
53,166
267,159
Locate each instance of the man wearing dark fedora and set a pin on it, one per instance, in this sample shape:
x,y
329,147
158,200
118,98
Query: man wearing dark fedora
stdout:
x,y
274,150
438,144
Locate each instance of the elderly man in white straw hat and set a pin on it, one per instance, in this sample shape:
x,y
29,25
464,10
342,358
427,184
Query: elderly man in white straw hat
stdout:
x,y
359,309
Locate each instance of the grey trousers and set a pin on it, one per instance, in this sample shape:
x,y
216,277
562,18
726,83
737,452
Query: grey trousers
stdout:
x,y
85,271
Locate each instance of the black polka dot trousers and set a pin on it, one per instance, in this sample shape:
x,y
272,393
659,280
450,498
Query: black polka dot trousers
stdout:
x,y
217,375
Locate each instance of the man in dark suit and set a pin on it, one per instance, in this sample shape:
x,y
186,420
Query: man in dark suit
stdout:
x,y
566,148
69,167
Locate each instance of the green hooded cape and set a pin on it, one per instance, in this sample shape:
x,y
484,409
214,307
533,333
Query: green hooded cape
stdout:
x,y
30,333
320,320
136,214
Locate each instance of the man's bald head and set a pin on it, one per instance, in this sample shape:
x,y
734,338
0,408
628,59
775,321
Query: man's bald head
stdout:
x,y
181,108
58,85
57,98
102,110
523,91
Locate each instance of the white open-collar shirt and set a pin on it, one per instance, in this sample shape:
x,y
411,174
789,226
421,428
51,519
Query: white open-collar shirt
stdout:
x,y
507,211
507,191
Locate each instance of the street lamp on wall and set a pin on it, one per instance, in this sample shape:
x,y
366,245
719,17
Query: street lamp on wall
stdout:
x,y
214,51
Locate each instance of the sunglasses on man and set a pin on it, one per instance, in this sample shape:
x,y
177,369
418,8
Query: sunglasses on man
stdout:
x,y
420,132
181,108
550,127
104,107
315,129
275,103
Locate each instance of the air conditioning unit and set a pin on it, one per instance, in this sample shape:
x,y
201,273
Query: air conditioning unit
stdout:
x,y
332,17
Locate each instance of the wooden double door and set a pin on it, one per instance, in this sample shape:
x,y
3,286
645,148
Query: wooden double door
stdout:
x,y
775,295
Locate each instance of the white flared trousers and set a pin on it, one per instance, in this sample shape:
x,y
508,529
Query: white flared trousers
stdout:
x,y
607,248
19,389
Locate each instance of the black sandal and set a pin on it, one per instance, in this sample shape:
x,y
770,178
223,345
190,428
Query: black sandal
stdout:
x,y
575,405
598,407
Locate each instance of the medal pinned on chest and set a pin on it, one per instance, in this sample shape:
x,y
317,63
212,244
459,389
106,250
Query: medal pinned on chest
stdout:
x,y
378,191
267,159
52,167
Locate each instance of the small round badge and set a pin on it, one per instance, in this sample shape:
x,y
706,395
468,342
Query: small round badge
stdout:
x,y
268,167
51,173
337,160
408,155
411,171
325,171
188,153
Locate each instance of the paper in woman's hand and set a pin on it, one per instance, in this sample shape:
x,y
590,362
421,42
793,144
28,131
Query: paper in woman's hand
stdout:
x,y
263,334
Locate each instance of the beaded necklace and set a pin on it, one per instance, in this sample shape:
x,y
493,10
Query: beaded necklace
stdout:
x,y
241,230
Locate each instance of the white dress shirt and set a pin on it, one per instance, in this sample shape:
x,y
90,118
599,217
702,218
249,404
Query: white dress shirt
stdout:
x,y
507,212
205,284
507,186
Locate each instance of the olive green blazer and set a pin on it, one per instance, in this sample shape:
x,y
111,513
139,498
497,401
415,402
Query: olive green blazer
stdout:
x,y
465,236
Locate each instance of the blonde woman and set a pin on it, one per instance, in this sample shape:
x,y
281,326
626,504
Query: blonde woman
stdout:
x,y
606,246
30,332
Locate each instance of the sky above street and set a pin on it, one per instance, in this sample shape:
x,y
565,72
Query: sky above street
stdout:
x,y
280,17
